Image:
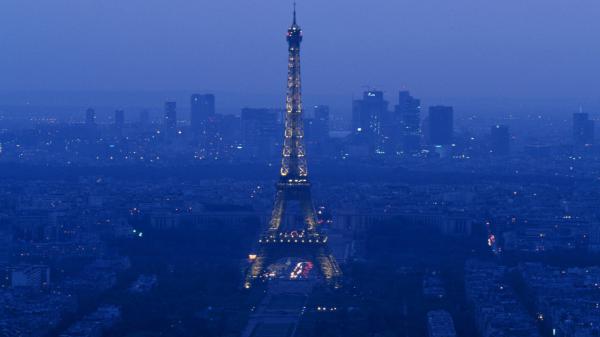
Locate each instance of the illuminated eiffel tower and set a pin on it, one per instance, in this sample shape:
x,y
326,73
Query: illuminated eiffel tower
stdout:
x,y
294,186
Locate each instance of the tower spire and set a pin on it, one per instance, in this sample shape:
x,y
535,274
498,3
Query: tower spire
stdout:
x,y
294,12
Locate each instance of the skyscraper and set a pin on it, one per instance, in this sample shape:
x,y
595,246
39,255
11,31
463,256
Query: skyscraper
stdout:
x,y
583,129
281,240
407,116
202,107
441,125
500,140
369,113
170,117
90,116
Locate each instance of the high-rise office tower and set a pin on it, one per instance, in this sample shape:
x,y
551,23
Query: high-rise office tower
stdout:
x,y
407,117
90,116
369,113
202,108
408,111
500,140
119,118
583,129
441,125
259,131
170,117
302,238
320,127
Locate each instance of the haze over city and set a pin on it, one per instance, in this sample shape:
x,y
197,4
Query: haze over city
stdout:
x,y
299,169
484,56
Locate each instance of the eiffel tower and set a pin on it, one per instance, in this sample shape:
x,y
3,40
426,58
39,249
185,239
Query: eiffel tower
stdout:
x,y
294,186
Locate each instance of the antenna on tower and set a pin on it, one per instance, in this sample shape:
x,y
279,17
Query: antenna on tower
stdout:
x,y
294,12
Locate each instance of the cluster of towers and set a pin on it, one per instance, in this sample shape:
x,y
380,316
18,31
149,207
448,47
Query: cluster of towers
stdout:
x,y
202,109
403,130
400,129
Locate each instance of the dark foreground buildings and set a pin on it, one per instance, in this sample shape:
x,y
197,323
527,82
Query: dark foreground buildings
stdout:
x,y
500,140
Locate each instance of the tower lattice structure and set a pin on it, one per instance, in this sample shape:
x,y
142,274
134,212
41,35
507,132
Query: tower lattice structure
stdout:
x,y
294,186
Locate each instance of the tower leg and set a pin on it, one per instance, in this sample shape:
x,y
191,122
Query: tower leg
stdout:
x,y
277,213
309,212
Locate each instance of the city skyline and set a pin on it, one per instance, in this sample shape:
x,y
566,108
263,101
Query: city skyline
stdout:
x,y
383,212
